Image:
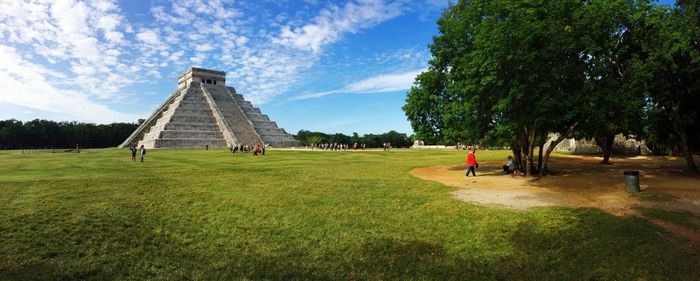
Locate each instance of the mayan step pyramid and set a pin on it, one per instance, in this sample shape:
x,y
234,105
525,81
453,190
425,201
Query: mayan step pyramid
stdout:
x,y
203,111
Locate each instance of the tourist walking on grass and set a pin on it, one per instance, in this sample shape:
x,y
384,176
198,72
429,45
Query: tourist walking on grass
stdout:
x,y
133,152
256,149
143,152
471,162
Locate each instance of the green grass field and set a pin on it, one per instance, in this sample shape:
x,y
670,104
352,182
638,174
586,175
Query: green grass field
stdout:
x,y
195,214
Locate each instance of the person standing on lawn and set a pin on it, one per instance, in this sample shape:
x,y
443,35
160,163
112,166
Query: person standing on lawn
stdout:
x,y
143,152
256,149
471,162
133,152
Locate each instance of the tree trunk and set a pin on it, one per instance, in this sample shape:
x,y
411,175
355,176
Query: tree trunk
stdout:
x,y
539,156
687,152
677,123
523,150
517,156
529,171
554,144
531,160
606,143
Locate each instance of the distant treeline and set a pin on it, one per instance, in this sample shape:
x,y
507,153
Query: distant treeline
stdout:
x,y
41,134
37,134
370,140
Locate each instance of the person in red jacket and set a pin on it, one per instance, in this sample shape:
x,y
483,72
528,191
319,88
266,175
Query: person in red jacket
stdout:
x,y
471,162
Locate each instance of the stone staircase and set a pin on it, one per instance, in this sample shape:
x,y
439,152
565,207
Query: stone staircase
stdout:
x,y
268,130
241,128
139,133
187,122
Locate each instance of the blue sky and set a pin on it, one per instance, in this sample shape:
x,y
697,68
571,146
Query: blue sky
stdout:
x,y
317,65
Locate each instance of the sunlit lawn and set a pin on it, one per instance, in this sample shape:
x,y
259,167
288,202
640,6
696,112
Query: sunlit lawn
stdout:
x,y
196,214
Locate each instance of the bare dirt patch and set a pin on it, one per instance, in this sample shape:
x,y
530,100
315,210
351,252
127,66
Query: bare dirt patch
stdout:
x,y
580,181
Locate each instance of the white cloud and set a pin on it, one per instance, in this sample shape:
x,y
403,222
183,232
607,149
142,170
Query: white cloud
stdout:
x,y
385,83
114,36
25,84
176,56
332,22
149,36
86,35
438,3
204,47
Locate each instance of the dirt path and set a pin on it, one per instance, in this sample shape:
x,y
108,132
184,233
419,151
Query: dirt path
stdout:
x,y
581,182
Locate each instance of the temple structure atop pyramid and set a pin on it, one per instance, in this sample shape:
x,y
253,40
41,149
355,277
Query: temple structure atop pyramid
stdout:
x,y
204,111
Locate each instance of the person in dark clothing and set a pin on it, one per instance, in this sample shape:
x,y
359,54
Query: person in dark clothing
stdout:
x,y
133,153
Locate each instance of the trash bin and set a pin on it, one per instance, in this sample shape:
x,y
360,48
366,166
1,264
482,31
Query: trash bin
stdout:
x,y
631,181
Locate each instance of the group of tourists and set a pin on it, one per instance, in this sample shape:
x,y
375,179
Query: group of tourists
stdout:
x,y
245,148
472,164
342,146
334,146
142,152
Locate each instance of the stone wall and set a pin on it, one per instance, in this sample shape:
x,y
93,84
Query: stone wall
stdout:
x,y
621,145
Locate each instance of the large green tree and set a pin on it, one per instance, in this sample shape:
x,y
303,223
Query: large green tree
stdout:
x,y
505,67
425,108
612,39
670,70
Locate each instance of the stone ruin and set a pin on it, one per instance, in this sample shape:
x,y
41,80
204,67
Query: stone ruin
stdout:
x,y
204,111
621,144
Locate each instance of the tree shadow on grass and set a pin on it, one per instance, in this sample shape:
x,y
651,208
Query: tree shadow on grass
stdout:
x,y
550,244
33,271
390,258
48,270
381,259
596,246
586,244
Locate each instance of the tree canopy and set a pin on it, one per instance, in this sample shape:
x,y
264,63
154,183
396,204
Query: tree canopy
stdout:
x,y
370,140
40,133
669,71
